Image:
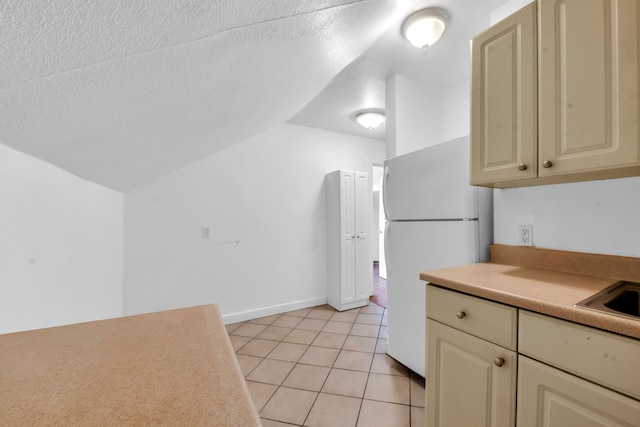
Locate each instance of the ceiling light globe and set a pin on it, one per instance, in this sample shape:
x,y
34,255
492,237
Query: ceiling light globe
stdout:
x,y
424,28
370,120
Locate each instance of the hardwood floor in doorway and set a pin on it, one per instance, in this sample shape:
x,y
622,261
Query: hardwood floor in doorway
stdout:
x,y
379,288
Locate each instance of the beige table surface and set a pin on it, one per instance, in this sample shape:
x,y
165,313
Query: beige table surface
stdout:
x,y
172,368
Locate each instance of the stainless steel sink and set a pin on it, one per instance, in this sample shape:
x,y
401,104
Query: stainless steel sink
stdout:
x,y
620,299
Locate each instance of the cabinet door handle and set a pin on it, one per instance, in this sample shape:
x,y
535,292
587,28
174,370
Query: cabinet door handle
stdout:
x,y
498,361
461,314
522,167
547,164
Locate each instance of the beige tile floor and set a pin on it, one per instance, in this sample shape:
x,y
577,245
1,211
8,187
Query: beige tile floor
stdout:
x,y
319,367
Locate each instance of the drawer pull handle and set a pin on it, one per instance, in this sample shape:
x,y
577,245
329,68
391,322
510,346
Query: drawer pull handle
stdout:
x,y
498,361
461,314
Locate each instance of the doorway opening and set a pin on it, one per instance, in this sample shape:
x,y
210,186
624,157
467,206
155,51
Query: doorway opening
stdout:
x,y
379,295
379,287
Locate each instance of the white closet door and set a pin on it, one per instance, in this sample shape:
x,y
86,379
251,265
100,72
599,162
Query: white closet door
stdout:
x,y
348,231
362,212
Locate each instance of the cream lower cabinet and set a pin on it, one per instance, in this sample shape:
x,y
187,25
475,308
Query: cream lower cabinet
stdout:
x,y
567,375
574,375
470,381
550,397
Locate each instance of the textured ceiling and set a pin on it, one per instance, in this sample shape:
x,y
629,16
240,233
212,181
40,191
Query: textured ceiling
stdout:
x,y
120,92
361,85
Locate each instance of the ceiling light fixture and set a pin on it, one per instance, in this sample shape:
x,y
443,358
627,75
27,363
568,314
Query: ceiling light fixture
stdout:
x,y
370,120
424,27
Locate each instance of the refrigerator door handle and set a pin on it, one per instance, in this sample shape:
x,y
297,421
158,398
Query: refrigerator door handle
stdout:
x,y
385,176
387,227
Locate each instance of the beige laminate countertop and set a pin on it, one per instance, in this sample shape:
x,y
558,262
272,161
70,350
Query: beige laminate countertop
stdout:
x,y
540,290
170,368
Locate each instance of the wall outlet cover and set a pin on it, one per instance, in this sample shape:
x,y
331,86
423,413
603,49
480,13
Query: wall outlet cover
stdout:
x,y
525,235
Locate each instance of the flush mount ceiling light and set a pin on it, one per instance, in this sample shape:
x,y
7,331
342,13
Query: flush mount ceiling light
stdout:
x,y
424,27
370,120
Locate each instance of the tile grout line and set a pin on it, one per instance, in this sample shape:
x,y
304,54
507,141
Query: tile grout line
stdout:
x,y
333,365
296,363
327,377
339,349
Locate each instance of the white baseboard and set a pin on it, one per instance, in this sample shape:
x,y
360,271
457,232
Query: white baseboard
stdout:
x,y
241,316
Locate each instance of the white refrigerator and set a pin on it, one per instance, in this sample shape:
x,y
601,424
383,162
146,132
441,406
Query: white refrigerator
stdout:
x,y
435,219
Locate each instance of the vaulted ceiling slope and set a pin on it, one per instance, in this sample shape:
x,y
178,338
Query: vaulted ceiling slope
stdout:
x,y
361,85
120,92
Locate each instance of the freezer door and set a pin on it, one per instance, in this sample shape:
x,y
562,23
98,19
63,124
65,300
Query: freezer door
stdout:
x,y
413,247
432,183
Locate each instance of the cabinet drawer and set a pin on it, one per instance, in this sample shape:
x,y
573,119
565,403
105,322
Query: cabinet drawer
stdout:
x,y
599,356
487,320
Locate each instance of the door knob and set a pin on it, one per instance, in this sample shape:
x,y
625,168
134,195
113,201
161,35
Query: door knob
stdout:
x,y
461,314
547,164
522,167
498,361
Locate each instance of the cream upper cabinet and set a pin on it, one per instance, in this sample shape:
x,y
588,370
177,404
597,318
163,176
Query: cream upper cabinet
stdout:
x,y
588,85
585,94
503,100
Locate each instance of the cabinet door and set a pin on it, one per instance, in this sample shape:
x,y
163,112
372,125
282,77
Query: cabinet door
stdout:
x,y
588,85
465,387
362,213
552,398
348,237
503,100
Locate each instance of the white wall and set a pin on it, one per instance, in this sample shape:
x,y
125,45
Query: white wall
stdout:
x,y
414,115
456,111
507,9
60,246
265,201
593,216
419,116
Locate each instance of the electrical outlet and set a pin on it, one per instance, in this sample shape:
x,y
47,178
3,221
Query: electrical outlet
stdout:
x,y
206,232
525,235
